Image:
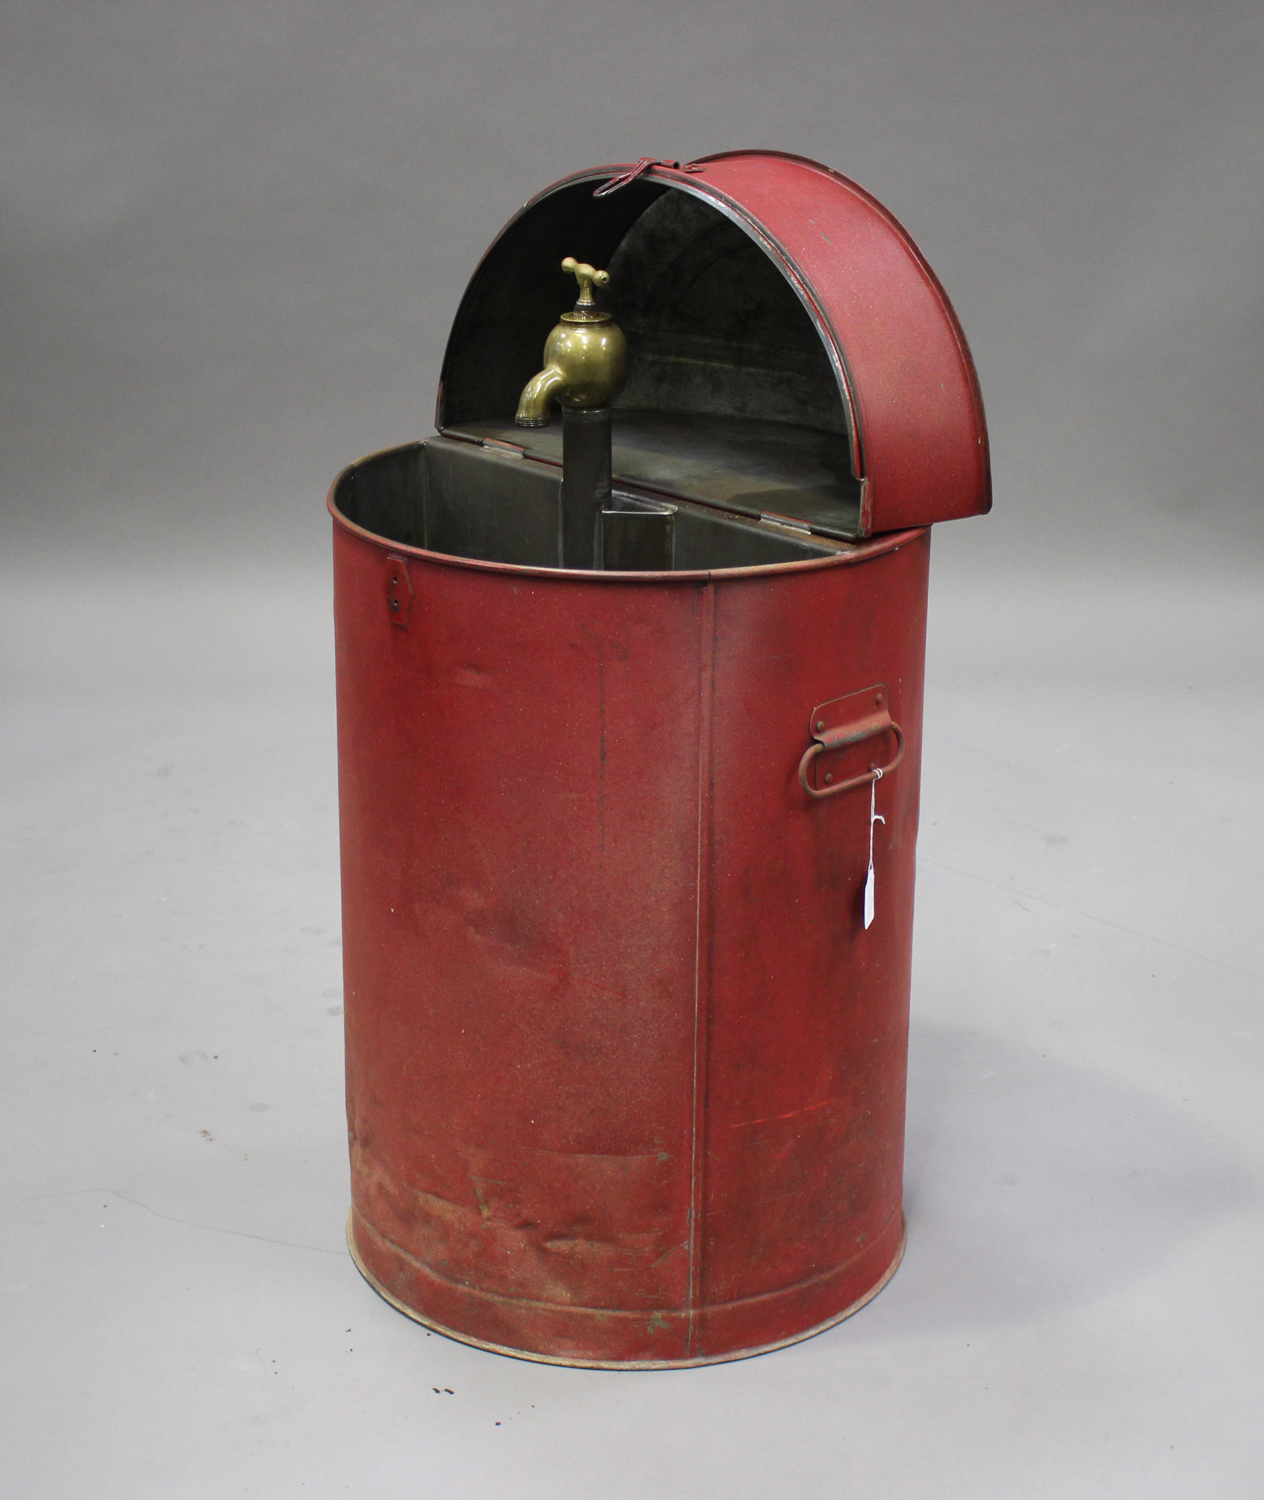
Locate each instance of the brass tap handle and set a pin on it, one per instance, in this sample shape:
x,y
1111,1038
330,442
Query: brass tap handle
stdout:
x,y
588,278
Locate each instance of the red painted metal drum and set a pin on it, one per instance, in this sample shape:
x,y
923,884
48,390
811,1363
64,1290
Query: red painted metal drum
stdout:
x,y
625,1045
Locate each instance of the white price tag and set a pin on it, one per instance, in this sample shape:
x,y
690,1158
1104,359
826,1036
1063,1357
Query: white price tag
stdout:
x,y
874,817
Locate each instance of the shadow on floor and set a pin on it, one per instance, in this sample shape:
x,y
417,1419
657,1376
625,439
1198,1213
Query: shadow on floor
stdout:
x,y
1033,1185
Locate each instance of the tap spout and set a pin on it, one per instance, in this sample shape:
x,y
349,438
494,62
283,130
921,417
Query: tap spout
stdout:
x,y
533,404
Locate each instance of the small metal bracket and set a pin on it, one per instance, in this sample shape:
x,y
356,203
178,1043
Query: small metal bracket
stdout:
x,y
637,538
841,722
399,590
784,523
644,165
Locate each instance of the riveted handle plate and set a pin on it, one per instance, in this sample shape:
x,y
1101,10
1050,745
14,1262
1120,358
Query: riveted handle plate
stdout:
x,y
839,723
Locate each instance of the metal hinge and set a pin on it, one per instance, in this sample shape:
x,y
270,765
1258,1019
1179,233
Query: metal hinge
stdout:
x,y
784,523
399,590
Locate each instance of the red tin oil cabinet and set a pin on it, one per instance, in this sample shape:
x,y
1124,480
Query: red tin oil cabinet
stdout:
x,y
625,1065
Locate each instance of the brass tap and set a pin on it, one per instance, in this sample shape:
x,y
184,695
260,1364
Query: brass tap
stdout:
x,y
585,357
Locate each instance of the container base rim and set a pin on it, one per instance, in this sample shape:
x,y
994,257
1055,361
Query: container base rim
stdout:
x,y
625,1364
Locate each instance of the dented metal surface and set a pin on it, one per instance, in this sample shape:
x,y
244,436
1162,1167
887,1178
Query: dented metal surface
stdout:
x,y
625,1074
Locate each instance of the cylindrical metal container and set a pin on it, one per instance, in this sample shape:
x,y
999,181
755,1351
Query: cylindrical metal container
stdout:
x,y
628,860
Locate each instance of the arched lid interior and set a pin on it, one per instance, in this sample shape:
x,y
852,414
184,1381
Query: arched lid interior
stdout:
x,y
827,384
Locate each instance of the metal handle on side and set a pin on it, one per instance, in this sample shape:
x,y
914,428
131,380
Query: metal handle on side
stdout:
x,y
837,738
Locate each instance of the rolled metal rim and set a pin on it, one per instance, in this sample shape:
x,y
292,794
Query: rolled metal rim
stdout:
x,y
890,541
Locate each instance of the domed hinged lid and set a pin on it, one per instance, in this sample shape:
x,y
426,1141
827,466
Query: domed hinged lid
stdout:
x,y
790,353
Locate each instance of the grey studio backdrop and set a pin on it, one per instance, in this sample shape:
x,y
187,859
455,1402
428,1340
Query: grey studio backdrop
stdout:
x,y
234,237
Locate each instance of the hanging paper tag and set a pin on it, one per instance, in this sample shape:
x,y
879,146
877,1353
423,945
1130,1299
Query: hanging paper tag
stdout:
x,y
874,817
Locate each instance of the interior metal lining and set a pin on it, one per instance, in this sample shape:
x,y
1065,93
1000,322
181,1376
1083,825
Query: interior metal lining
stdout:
x,y
732,397
740,464
715,327
462,500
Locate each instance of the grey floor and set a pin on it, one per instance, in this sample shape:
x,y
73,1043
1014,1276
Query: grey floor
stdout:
x,y
1078,1314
